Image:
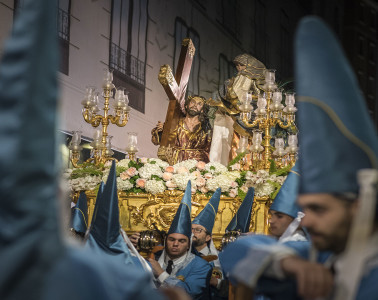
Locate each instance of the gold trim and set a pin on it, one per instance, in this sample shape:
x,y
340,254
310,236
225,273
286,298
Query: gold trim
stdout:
x,y
213,208
165,75
296,173
343,129
85,221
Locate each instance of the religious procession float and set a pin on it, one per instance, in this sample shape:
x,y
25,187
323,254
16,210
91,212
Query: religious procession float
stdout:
x,y
259,148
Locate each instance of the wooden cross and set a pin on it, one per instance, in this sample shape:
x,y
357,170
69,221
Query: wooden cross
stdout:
x,y
175,87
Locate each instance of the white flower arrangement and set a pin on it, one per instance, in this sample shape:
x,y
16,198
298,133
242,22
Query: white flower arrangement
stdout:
x,y
150,169
155,186
152,175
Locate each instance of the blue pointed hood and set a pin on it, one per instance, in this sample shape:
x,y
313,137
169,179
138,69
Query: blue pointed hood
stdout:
x,y
182,222
104,235
336,135
29,234
242,218
80,214
206,217
285,201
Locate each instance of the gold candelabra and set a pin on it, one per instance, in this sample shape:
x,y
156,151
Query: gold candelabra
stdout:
x,y
269,113
101,145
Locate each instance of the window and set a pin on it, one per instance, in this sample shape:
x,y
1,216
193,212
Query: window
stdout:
x,y
260,28
182,31
228,13
361,46
372,53
63,30
285,45
64,34
128,48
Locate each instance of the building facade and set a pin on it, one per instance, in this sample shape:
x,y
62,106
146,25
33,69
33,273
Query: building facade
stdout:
x,y
135,37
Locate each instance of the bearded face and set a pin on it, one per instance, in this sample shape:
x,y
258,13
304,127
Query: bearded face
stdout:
x,y
195,106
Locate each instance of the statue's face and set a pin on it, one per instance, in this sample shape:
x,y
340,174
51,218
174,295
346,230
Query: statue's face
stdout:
x,y
195,106
240,67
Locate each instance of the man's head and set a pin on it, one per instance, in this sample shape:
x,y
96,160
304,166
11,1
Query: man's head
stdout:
x,y
194,105
176,245
239,66
200,236
278,222
328,219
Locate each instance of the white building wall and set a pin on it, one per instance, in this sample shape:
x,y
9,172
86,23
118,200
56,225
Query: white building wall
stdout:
x,y
89,55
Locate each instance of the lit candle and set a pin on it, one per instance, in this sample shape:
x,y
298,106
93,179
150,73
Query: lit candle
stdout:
x,y
76,138
132,141
270,76
97,135
243,144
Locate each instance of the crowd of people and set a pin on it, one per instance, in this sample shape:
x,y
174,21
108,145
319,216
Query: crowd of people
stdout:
x,y
323,223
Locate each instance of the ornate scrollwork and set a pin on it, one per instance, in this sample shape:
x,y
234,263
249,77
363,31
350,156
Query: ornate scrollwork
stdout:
x,y
139,212
165,75
188,42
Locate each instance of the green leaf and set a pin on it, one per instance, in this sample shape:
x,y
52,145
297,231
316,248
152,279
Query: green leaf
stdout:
x,y
119,170
237,158
273,167
241,194
156,178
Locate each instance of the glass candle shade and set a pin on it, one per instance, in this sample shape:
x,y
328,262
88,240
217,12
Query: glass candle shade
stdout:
x,y
132,142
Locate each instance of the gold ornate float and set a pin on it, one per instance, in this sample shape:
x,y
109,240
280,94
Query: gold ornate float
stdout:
x,y
139,212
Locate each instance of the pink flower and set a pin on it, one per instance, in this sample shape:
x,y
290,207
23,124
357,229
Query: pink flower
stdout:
x,y
235,167
200,181
131,171
244,188
203,190
201,165
208,175
196,174
144,160
194,190
182,170
124,176
170,185
167,176
140,182
234,184
233,193
169,169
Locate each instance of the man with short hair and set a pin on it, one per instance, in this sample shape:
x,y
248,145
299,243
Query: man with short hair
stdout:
x,y
176,265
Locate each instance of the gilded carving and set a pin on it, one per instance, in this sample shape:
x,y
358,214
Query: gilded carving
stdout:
x,y
188,42
165,75
139,212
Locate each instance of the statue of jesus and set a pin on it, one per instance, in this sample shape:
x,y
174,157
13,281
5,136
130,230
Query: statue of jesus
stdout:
x,y
192,135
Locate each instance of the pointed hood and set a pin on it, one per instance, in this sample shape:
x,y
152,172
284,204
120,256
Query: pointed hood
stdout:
x,y
29,235
285,201
337,137
105,235
242,218
206,217
182,222
80,214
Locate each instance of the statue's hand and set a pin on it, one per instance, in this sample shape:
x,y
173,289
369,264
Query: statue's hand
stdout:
x,y
159,126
